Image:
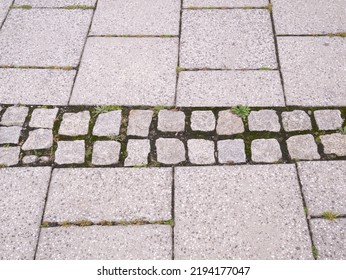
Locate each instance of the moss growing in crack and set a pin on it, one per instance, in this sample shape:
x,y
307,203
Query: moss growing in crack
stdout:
x,y
339,34
167,36
6,146
169,222
104,109
78,7
265,68
329,215
24,7
65,224
180,69
269,7
140,166
306,211
84,223
3,165
106,223
342,130
45,225
314,252
241,111
157,109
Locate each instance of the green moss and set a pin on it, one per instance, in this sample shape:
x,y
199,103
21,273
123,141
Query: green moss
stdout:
x,y
24,7
265,68
314,252
241,111
269,7
342,130
339,34
329,215
84,223
45,225
180,69
81,7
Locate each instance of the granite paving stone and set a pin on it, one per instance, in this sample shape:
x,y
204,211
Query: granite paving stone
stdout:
x,y
170,150
264,120
323,184
38,139
4,7
108,124
127,71
328,119
171,121
202,121
9,156
69,152
265,150
201,151
14,115
137,152
329,238
21,37
296,120
334,144
55,3
151,242
29,159
111,194
264,203
139,122
106,152
74,124
229,88
229,123
302,147
10,135
231,151
136,17
305,62
224,3
43,118
23,192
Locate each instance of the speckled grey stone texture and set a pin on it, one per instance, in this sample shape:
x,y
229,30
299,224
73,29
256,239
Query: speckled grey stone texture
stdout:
x,y
296,120
9,156
14,115
4,7
225,3
139,122
239,212
329,238
324,186
231,151
43,118
111,194
171,121
202,121
227,39
229,123
23,192
55,3
170,150
305,62
64,32
74,124
106,152
229,88
265,150
334,144
328,119
108,124
151,242
136,17
264,120
10,135
127,71
302,147
29,159
137,152
201,151
69,152
38,139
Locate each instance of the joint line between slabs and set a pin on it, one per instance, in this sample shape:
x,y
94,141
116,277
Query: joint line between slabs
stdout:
x,y
178,59
173,209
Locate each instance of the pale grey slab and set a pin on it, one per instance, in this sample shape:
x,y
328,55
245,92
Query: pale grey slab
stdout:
x,y
22,192
265,150
171,121
202,121
35,86
170,150
127,71
296,120
69,152
306,62
201,151
106,152
9,156
139,122
328,119
137,152
4,7
152,242
108,124
264,120
38,139
55,3
112,194
43,118
239,212
334,144
10,135
229,123
227,39
231,151
14,115
302,147
74,124
224,3
229,88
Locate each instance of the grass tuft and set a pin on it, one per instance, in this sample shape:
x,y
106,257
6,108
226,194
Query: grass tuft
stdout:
x,y
329,215
241,111
314,252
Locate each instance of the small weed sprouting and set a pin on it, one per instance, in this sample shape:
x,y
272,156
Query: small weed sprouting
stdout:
x,y
81,7
169,222
342,130
45,225
241,111
104,109
269,7
157,109
24,7
329,215
6,146
314,252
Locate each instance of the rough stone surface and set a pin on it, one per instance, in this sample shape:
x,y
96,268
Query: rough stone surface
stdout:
x,y
229,88
10,135
334,144
324,186
302,147
69,152
14,116
137,152
111,194
170,151
136,17
43,118
21,42
265,150
264,120
39,139
108,124
29,159
329,238
239,212
225,3
231,151
23,192
201,151
139,122
9,156
106,152
55,3
127,71
74,124
202,121
229,123
328,119
305,62
4,7
151,242
227,39
171,121
296,120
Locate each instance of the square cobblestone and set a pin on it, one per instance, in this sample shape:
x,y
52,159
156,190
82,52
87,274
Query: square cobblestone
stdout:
x,y
328,119
108,124
170,150
334,144
229,123
9,156
10,135
106,152
202,121
171,121
55,3
38,139
231,151
43,118
225,3
264,120
29,159
296,120
137,152
69,152
139,122
74,124
265,150
302,147
201,151
14,115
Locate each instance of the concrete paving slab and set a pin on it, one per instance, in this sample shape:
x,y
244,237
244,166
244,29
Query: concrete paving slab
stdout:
x,y
229,88
44,37
127,71
224,3
239,212
4,7
22,192
152,242
227,39
112,194
305,62
55,3
324,186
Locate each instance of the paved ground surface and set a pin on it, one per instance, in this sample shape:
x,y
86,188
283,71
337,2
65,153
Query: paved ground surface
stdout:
x,y
172,129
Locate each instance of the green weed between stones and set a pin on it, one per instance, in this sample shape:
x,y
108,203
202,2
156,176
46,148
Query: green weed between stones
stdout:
x,y
314,252
342,130
339,34
104,109
241,111
329,215
24,7
265,68
180,69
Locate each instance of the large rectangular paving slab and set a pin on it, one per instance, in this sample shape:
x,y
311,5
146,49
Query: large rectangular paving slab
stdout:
x,y
4,7
111,194
44,37
106,242
23,192
224,3
313,70
227,39
329,238
309,17
55,3
324,186
136,17
230,88
127,71
35,86
239,212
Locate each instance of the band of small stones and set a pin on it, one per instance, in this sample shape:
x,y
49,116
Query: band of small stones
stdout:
x,y
124,136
